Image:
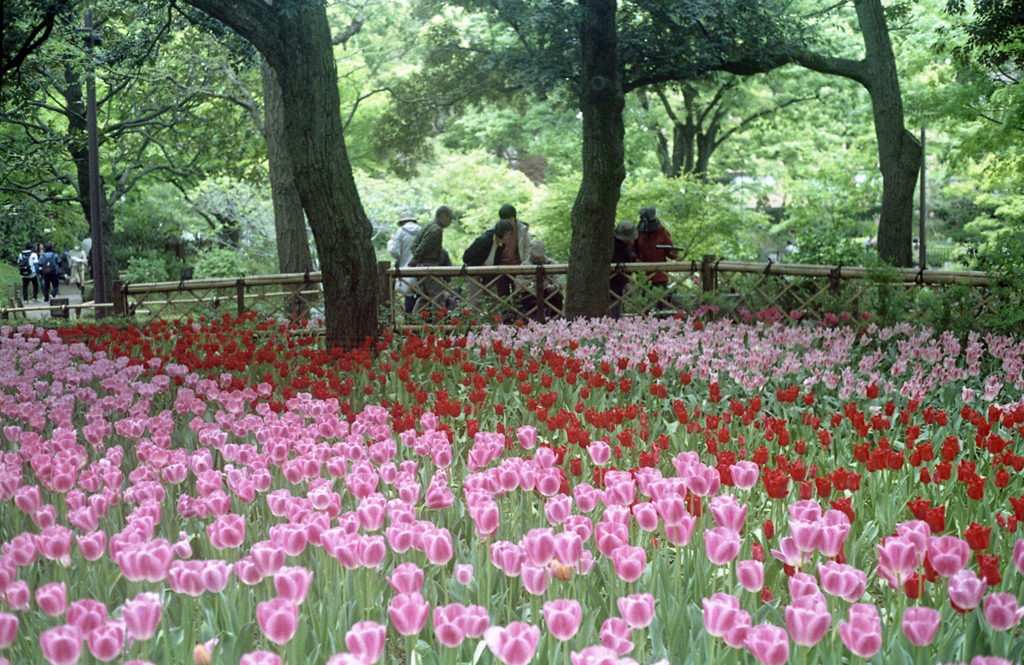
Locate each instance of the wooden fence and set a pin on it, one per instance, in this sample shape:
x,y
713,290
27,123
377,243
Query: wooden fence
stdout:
x,y
732,288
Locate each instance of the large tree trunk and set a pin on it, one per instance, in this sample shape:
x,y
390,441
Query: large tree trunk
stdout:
x,y
293,255
593,213
295,39
899,152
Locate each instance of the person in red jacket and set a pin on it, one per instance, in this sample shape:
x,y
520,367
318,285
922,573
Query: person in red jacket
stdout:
x,y
653,245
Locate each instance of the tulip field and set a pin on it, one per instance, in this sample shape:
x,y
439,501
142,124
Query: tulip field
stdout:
x,y
683,490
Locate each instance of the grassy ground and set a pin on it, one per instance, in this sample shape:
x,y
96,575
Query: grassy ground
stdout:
x,y
8,276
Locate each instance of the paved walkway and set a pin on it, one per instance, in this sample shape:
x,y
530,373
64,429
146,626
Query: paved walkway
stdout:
x,y
43,310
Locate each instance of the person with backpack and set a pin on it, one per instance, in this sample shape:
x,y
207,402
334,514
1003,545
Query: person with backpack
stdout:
x,y
49,270
28,267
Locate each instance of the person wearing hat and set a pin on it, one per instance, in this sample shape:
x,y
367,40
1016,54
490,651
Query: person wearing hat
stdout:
x,y
650,246
552,285
622,252
400,248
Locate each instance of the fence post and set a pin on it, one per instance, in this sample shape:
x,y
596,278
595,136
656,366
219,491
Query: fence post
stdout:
x,y
240,294
120,299
708,273
542,296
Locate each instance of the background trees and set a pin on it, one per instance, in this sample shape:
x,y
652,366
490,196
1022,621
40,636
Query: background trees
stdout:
x,y
477,103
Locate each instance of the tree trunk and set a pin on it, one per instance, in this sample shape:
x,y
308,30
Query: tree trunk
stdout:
x,y
295,39
293,255
79,151
899,152
593,213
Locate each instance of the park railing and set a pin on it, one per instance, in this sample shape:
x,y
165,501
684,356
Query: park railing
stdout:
x,y
733,289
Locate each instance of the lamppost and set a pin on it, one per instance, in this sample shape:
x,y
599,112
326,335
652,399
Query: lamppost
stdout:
x,y
92,39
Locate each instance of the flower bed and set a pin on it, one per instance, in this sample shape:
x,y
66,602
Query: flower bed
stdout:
x,y
650,490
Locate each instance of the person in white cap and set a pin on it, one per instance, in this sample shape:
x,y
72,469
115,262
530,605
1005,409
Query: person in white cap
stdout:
x,y
400,248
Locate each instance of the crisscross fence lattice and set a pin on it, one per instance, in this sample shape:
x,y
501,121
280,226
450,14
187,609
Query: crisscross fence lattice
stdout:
x,y
734,288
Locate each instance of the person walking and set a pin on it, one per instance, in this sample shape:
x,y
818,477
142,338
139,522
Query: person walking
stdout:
x,y
400,248
28,268
49,270
427,250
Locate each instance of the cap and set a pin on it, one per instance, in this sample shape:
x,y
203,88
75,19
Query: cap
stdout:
x,y
625,231
406,216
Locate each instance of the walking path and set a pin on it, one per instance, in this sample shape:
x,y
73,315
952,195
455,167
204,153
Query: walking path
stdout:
x,y
37,309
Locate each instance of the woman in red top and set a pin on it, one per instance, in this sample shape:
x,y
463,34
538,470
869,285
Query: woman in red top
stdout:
x,y
651,234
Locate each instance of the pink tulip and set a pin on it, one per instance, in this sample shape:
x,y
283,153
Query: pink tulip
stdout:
x,y
260,658
107,641
23,549
806,535
448,624
802,584
629,562
61,645
365,640
474,621
437,545
92,545
18,596
587,497
278,619
408,612
728,513
292,538
835,528
538,545
600,452
646,516
406,578
898,559
535,578
142,615
948,555
736,636
744,474
292,583
637,609
227,532
527,435
921,624
345,659
514,644
808,619
594,655
862,634
681,533
215,575
617,635
720,612
267,556
721,545
372,550
703,480
54,543
247,571
672,509
8,629
768,643
750,574
464,573
1001,611
845,581
86,615
563,617
52,598
966,589
1018,555
610,536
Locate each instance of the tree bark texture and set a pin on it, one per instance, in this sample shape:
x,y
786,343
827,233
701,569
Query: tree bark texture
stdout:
x,y
295,39
293,255
899,151
593,213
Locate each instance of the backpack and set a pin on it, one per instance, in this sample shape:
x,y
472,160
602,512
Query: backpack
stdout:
x,y
24,265
48,264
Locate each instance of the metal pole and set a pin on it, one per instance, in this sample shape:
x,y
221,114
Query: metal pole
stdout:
x,y
924,204
99,278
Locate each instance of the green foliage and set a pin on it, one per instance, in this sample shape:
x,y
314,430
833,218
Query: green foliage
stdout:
x,y
19,224
219,262
703,218
149,267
